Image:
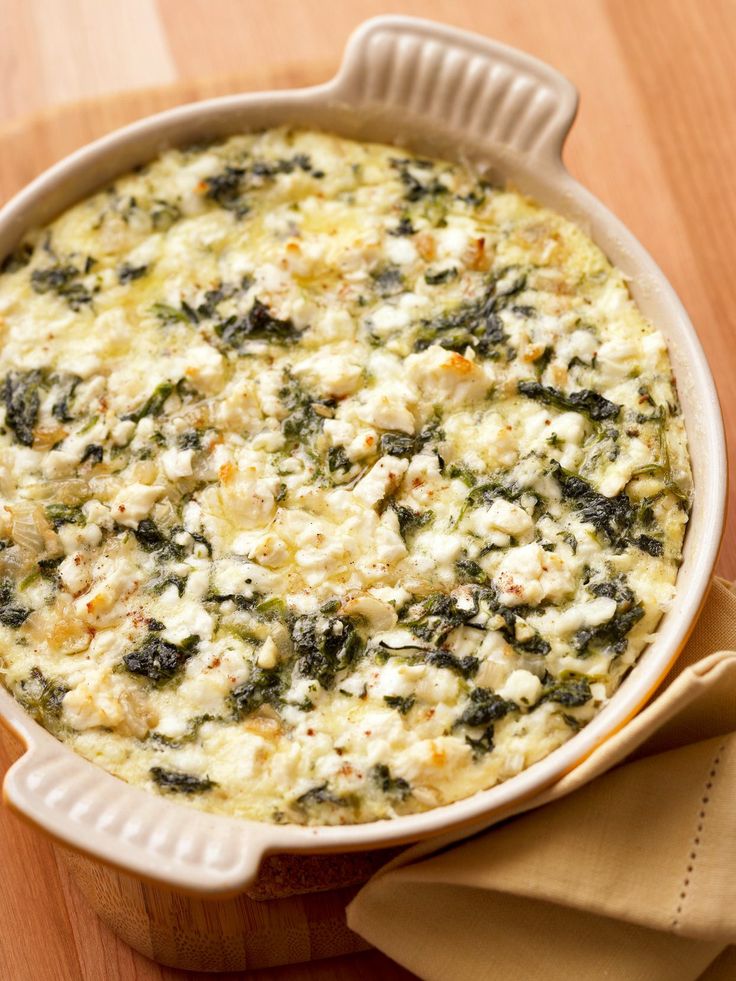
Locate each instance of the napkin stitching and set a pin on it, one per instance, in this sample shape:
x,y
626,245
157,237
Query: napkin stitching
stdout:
x,y
692,858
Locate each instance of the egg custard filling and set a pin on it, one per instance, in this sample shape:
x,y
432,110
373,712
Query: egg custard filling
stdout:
x,y
335,482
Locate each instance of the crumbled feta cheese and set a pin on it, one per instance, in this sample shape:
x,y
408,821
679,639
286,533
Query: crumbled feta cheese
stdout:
x,y
383,478
177,463
132,504
332,375
447,374
522,687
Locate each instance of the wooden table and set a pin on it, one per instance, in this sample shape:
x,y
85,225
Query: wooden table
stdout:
x,y
655,139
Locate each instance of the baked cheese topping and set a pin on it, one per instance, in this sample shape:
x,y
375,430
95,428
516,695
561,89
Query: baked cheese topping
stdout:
x,y
335,482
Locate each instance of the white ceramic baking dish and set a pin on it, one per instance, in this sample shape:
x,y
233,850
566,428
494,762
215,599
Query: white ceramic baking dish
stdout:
x,y
446,93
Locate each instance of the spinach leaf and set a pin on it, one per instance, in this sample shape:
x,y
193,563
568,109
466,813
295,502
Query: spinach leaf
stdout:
x,y
410,520
483,744
189,440
286,165
443,276
22,402
158,660
304,421
67,385
93,452
169,315
189,735
151,539
487,491
162,582
613,634
404,227
154,404
396,443
11,614
202,540
320,795
272,609
47,568
174,781
570,693
18,259
586,401
43,697
397,787
64,281
469,571
338,460
612,516
652,546
241,601
485,706
324,646
389,281
226,189
258,324
164,214
461,471
536,644
617,589
474,323
64,514
435,617
128,273
261,688
414,188
466,667
399,702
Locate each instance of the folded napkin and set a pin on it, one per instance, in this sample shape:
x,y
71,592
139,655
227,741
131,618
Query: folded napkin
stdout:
x,y
630,877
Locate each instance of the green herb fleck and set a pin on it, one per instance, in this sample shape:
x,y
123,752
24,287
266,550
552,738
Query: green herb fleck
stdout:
x,y
442,276
128,273
64,514
154,404
397,787
399,702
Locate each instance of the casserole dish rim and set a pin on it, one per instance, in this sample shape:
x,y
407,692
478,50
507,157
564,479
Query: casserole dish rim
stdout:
x,y
399,76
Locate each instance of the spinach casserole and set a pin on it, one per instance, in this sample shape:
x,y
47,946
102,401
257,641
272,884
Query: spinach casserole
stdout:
x,y
335,483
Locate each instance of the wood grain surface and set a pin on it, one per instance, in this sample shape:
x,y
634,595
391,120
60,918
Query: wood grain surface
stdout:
x,y
655,139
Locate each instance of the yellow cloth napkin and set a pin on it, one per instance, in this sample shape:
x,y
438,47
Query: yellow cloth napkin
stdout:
x,y
630,877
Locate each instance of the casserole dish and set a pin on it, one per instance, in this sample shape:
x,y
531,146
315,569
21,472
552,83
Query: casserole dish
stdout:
x,y
452,95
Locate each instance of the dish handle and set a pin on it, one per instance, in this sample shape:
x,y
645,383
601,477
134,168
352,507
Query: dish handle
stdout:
x,y
90,811
477,89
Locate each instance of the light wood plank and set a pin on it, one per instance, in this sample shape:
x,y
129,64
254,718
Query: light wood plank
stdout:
x,y
35,923
687,89
54,51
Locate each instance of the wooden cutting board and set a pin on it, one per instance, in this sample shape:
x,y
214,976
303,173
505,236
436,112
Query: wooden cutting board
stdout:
x,y
259,931
654,144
